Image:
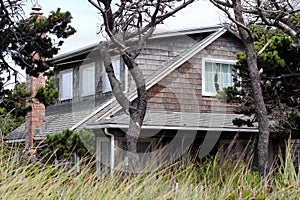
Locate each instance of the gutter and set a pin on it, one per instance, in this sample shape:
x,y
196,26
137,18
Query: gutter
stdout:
x,y
112,151
158,127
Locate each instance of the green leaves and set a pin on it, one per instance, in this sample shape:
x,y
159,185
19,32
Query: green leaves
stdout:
x,y
14,109
47,95
279,64
63,145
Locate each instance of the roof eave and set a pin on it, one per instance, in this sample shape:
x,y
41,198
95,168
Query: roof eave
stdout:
x,y
87,49
186,128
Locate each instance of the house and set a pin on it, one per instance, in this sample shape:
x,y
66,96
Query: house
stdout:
x,y
182,70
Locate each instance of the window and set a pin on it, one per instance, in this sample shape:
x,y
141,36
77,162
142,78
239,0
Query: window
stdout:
x,y
116,65
66,85
88,79
216,75
103,154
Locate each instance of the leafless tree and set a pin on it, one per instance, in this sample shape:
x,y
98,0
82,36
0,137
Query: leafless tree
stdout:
x,y
130,23
234,9
283,14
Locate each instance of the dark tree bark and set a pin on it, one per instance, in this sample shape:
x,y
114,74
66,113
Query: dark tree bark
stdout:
x,y
261,113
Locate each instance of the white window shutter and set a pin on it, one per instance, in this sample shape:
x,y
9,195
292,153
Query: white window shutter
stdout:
x,y
88,80
117,69
67,85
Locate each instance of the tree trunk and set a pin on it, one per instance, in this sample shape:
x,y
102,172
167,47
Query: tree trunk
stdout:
x,y
136,114
261,112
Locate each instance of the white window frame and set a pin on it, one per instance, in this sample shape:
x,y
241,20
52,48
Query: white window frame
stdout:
x,y
62,73
213,60
99,161
106,87
82,90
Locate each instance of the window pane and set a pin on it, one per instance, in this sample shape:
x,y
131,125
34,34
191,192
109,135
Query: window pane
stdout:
x,y
217,76
116,65
67,85
88,80
105,152
209,77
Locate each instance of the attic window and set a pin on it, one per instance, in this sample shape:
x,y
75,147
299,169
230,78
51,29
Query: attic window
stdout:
x,y
116,65
66,85
216,75
87,79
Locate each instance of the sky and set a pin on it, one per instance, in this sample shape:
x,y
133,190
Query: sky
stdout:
x,y
86,19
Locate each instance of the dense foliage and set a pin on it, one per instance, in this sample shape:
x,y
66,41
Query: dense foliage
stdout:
x,y
28,43
279,65
47,95
13,112
62,146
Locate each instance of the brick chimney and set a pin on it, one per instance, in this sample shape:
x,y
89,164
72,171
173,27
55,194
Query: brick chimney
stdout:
x,y
36,118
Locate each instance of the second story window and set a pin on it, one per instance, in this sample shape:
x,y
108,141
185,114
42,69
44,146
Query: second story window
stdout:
x,y
116,65
216,75
87,84
66,85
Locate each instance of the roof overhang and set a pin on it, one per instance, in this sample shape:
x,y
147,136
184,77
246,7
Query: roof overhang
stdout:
x,y
173,33
186,128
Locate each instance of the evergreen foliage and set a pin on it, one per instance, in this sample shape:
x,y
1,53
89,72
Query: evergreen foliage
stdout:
x,y
47,95
279,64
63,145
29,43
13,112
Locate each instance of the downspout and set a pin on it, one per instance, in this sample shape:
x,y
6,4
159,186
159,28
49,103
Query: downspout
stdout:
x,y
112,150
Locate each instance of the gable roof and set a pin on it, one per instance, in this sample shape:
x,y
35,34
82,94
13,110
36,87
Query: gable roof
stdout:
x,y
74,117
112,106
156,35
160,74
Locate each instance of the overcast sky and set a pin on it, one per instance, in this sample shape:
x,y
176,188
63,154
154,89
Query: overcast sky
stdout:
x,y
86,20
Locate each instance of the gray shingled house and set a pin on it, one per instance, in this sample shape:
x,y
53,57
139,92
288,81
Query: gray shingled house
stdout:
x,y
179,68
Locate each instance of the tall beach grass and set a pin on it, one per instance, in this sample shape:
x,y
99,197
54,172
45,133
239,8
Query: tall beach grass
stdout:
x,y
214,178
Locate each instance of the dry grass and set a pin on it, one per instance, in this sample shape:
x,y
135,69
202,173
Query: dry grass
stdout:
x,y
212,179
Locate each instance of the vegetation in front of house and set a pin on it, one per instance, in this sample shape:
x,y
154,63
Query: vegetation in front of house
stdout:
x,y
14,109
47,95
186,179
63,145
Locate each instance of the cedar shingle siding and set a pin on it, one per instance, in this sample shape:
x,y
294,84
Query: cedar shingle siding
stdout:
x,y
181,91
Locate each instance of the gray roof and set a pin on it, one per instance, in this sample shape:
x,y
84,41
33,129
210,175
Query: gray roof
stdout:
x,y
75,116
156,35
17,134
178,120
162,69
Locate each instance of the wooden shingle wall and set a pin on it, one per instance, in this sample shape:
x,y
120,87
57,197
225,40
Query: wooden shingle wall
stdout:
x,y
181,90
159,53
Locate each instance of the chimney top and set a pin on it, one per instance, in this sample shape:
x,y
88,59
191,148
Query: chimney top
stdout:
x,y
36,9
